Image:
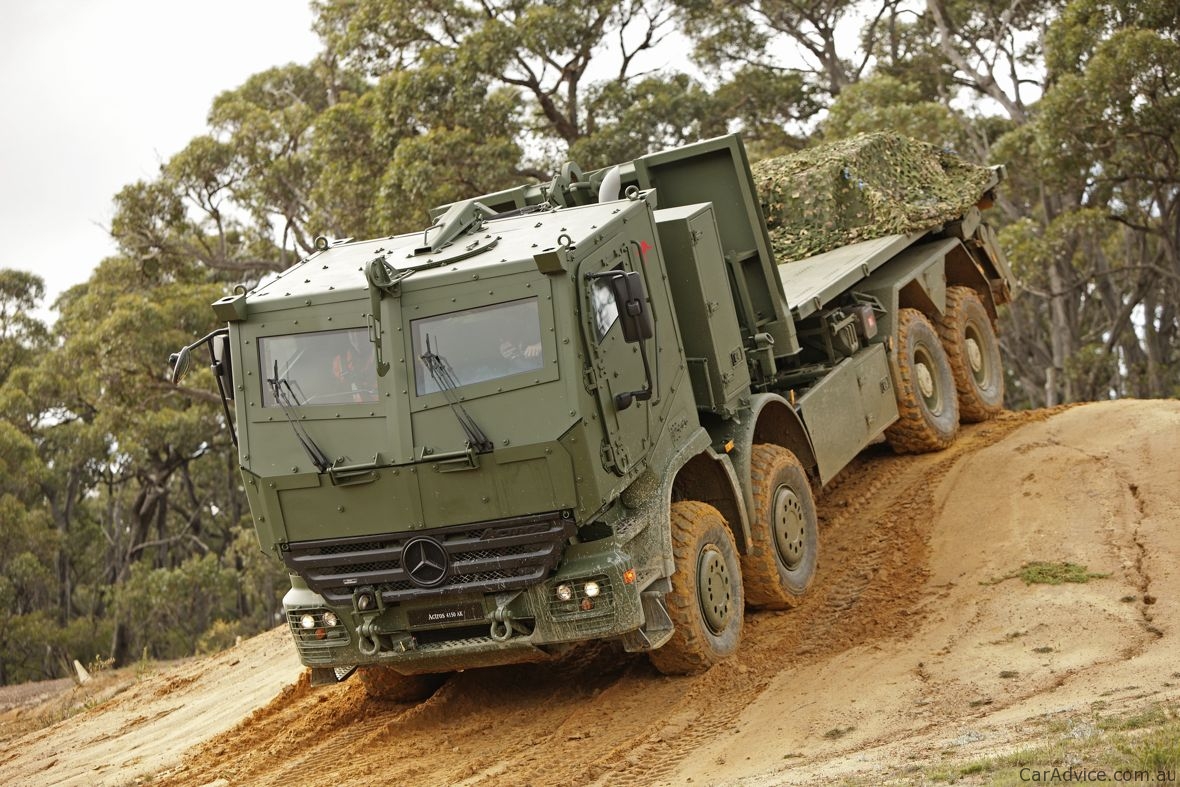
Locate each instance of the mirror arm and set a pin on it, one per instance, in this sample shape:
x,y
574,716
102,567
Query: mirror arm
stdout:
x,y
178,373
216,366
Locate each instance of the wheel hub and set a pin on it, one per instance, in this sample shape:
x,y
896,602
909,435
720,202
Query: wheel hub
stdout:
x,y
974,355
714,583
788,524
925,380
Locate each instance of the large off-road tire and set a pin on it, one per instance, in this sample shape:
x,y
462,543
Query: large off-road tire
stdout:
x,y
973,353
706,603
927,403
386,683
780,563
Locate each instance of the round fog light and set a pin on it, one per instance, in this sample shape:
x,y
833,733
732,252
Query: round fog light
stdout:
x,y
307,621
330,619
564,592
591,589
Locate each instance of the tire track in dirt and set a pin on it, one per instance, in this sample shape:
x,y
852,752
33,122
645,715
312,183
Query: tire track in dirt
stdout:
x,y
600,715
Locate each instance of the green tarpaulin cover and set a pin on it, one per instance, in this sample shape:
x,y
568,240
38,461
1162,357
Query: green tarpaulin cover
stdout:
x,y
865,187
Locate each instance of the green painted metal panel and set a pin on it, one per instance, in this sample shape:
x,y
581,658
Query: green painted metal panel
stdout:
x,y
703,305
848,408
718,171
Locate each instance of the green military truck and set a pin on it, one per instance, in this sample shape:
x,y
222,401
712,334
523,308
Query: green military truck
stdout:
x,y
593,408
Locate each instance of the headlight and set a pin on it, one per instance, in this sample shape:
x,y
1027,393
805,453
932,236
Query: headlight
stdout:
x,y
307,621
330,619
564,592
591,589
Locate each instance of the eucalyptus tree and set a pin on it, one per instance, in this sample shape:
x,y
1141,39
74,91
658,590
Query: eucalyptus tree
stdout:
x,y
551,53
1100,167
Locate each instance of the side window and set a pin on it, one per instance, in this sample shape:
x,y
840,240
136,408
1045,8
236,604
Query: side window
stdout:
x,y
606,311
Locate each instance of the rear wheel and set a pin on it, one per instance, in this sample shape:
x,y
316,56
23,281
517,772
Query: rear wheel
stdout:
x,y
706,603
386,683
927,403
784,545
973,353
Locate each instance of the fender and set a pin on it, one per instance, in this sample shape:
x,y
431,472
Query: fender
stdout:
x,y
711,477
769,419
963,267
915,278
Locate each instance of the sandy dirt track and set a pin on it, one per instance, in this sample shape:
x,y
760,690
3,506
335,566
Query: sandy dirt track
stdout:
x,y
910,644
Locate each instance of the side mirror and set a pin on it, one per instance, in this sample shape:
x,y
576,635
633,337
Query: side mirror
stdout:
x,y
219,355
182,363
632,300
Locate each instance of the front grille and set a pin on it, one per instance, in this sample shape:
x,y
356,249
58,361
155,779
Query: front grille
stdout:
x,y
483,558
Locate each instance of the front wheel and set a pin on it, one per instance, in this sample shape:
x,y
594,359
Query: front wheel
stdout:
x,y
386,683
974,355
706,603
784,545
927,403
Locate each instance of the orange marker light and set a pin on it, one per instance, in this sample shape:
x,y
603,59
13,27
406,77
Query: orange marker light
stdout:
x,y
629,577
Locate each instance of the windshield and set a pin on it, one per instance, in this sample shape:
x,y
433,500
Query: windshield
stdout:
x,y
478,344
326,367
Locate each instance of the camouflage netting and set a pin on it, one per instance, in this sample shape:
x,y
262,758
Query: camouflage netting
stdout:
x,y
862,188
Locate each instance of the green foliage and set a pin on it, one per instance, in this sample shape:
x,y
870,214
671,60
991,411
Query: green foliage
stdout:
x,y
632,119
544,50
21,334
1158,752
1040,572
771,107
1095,177
885,103
219,636
172,608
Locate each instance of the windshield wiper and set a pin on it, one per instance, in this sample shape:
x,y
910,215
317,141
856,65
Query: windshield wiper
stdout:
x,y
444,377
287,400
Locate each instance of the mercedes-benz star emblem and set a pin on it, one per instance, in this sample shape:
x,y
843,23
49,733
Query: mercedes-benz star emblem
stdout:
x,y
425,562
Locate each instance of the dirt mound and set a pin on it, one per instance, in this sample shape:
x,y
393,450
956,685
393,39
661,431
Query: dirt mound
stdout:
x,y
918,638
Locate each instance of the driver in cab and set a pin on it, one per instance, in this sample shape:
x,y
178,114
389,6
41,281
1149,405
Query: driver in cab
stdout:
x,y
354,367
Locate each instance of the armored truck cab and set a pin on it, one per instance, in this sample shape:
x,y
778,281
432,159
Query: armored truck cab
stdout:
x,y
586,409
436,439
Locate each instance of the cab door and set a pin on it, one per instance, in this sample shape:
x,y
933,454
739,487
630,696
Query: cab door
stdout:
x,y
615,366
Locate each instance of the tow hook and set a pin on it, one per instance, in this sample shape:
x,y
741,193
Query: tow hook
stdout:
x,y
503,626
501,630
367,642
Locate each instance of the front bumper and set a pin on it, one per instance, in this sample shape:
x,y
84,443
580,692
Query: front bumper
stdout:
x,y
446,632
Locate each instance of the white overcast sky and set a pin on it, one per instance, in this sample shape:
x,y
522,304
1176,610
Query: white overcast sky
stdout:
x,y
97,93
